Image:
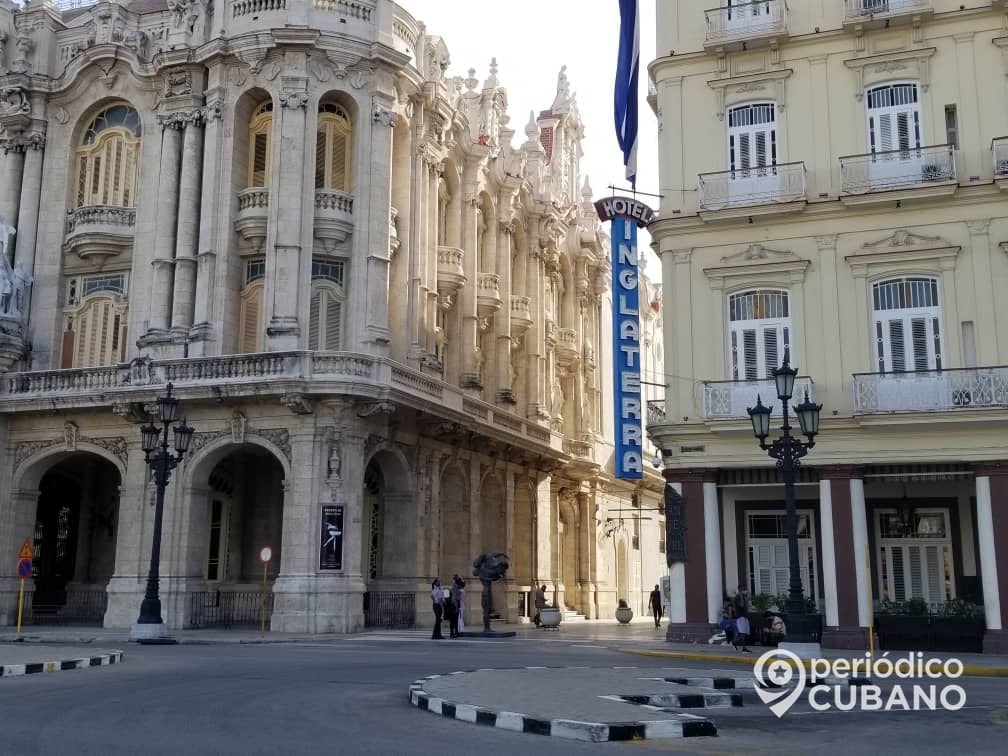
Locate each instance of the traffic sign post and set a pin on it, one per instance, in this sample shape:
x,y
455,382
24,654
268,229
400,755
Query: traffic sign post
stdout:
x,y
265,555
24,570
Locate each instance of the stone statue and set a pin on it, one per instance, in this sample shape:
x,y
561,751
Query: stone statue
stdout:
x,y
489,568
335,464
562,98
14,281
3,51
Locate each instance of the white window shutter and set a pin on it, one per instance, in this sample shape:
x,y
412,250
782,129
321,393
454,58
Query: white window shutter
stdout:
x,y
770,351
750,355
314,316
897,348
333,323
919,337
249,321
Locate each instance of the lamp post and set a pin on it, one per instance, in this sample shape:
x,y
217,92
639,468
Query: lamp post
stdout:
x,y
788,450
150,625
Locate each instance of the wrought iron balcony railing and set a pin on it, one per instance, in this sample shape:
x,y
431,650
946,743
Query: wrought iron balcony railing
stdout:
x,y
729,400
877,171
930,390
999,149
740,21
752,186
855,10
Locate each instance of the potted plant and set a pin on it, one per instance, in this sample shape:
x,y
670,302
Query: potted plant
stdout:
x,y
623,612
757,616
931,172
550,617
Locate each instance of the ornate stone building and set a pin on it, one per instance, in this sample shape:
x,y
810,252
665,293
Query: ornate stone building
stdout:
x,y
388,324
833,184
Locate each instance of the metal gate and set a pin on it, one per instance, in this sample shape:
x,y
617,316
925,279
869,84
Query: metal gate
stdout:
x,y
228,609
390,609
81,607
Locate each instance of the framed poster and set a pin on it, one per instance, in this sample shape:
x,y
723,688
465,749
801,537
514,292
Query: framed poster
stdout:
x,y
331,538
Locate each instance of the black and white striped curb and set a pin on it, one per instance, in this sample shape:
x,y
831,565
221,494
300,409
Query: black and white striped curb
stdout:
x,y
101,660
684,726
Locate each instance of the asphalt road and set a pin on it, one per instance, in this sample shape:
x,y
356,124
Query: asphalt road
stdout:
x,y
350,697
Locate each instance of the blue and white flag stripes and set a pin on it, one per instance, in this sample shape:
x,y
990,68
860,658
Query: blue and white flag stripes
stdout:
x,y
627,71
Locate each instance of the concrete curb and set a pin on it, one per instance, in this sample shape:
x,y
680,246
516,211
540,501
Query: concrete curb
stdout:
x,y
689,725
100,660
969,670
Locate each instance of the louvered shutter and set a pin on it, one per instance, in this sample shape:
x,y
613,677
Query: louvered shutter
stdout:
x,y
320,159
314,323
251,314
782,572
897,350
333,317
898,573
338,161
919,337
770,352
260,159
764,570
67,354
751,359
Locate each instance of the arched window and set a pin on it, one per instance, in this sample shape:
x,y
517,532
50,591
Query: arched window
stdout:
x,y
260,128
325,317
332,148
752,136
894,121
108,158
94,332
759,331
906,319
251,307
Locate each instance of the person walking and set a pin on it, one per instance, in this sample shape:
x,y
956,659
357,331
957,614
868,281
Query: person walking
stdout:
x,y
656,605
458,598
437,600
740,605
540,603
450,612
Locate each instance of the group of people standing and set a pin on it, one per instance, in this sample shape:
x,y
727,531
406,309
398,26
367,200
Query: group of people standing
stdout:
x,y
735,619
448,606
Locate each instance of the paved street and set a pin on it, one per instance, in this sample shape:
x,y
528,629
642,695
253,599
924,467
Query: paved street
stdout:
x,y
349,696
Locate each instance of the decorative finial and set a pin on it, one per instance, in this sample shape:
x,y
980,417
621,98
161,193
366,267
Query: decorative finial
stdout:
x,y
472,82
586,191
491,83
532,128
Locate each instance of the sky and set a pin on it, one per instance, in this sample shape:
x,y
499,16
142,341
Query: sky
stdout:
x,y
531,40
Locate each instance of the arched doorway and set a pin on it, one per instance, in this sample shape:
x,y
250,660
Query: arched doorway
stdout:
x,y
241,513
74,541
389,535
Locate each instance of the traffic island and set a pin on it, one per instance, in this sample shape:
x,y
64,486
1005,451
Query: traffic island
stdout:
x,y
579,703
27,660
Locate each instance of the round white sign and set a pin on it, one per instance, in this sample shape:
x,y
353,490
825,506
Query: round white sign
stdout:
x,y
266,554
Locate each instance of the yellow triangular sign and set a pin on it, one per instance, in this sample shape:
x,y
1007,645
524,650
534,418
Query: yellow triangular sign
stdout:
x,y
26,550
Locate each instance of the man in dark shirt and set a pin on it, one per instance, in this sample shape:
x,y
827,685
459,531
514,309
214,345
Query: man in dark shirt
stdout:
x,y
656,607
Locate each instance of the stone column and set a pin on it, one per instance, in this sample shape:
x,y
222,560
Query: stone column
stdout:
x,y
17,519
502,320
210,207
166,225
470,263
543,520
414,302
690,621
187,237
712,550
12,161
535,336
992,535
586,552
859,539
840,558
31,199
283,267
379,210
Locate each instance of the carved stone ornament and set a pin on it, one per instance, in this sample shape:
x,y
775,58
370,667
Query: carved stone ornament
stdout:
x,y
294,100
239,423
14,101
904,239
280,438
384,117
755,252
61,116
70,435
202,438
178,83
297,403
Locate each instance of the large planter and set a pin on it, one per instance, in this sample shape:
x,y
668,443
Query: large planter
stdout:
x,y
962,634
550,617
624,614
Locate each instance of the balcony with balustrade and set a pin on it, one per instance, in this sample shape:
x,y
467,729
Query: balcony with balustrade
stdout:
x,y
521,314
488,294
566,349
333,215
450,271
253,215
929,391
999,153
920,172
746,26
764,191
99,231
730,400
873,14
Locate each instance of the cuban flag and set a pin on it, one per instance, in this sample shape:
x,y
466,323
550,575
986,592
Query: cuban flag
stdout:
x,y
627,72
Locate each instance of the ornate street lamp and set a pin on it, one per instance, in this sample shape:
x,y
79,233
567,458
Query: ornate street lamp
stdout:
x,y
788,450
154,441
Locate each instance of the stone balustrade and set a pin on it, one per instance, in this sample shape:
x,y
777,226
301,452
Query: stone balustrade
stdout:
x,y
450,272
521,313
566,348
99,230
488,294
